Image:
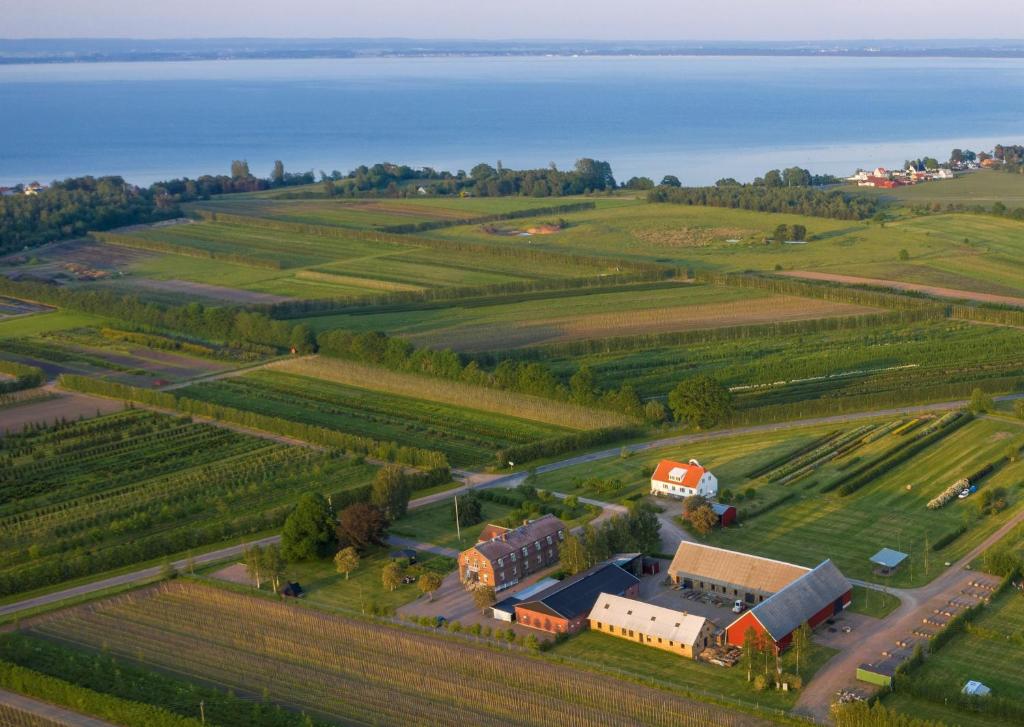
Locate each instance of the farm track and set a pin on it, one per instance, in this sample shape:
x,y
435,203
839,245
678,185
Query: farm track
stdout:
x,y
49,712
933,290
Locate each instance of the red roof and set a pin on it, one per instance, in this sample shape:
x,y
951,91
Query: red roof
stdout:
x,y
691,477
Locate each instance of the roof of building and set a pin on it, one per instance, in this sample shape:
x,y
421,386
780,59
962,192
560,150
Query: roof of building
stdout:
x,y
490,532
507,605
728,566
512,540
720,508
678,473
976,688
646,618
531,591
888,558
795,604
575,596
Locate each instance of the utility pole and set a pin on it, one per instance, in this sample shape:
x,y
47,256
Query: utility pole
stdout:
x,y
458,530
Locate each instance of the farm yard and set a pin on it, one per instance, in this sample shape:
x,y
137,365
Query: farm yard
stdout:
x,y
84,497
346,670
465,435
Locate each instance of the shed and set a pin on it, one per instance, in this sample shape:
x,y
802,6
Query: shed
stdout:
x,y
505,610
293,590
404,554
976,689
888,560
726,513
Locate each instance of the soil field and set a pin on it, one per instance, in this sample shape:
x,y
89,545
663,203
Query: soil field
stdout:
x,y
205,290
936,291
65,406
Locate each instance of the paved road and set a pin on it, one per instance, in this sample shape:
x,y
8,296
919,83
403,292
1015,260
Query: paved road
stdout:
x,y
56,714
882,635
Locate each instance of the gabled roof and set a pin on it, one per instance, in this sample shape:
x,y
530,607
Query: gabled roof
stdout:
x,y
515,539
575,596
691,473
720,508
784,612
728,566
646,618
490,532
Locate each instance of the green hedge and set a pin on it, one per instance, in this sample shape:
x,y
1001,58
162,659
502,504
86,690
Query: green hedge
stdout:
x,y
80,699
568,443
25,377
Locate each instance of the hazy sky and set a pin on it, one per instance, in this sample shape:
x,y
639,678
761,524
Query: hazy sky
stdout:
x,y
597,19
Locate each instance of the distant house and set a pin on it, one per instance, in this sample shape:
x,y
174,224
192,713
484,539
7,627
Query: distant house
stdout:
x,y
33,189
675,631
511,555
676,479
564,607
813,598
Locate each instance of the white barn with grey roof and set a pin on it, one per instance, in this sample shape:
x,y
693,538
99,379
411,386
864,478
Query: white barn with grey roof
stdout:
x,y
663,628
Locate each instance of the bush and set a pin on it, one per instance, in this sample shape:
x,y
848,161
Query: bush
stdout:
x,y
760,683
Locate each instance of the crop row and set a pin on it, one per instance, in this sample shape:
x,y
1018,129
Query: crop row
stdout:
x,y
354,671
804,464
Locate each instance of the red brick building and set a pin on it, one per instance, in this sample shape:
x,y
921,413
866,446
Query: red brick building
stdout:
x,y
508,556
564,607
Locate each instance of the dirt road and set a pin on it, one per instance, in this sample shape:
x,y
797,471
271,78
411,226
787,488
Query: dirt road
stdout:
x,y
53,713
933,290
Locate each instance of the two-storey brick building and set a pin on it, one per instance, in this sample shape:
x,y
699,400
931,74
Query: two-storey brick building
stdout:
x,y
508,556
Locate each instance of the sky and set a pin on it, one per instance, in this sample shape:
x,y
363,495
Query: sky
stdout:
x,y
509,19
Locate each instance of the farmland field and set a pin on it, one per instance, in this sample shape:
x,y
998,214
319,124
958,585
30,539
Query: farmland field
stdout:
x,y
80,498
989,652
649,308
465,435
356,672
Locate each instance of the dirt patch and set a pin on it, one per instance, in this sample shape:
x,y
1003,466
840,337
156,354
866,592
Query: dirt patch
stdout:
x,y
692,236
234,573
203,290
933,290
12,307
66,406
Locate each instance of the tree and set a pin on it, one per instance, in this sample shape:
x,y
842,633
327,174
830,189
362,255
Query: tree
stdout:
x,y
904,255
671,180
572,556
801,643
781,233
798,232
1018,408
483,597
750,647
275,565
470,509
583,386
640,183
391,575
981,403
655,412
346,560
391,491
428,583
240,169
302,339
703,519
277,176
362,525
253,559
644,529
309,530
700,402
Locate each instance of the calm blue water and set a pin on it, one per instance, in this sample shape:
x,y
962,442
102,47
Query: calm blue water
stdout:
x,y
698,118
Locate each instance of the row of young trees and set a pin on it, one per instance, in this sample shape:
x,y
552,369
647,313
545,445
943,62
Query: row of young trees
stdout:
x,y
766,198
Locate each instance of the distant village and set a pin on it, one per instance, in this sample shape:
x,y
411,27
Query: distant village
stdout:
x,y
883,178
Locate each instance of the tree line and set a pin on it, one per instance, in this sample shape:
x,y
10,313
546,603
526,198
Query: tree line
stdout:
x,y
802,200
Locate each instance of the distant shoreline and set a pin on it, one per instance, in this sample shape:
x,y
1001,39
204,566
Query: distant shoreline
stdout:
x,y
84,50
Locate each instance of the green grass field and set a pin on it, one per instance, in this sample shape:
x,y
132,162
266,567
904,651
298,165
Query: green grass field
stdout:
x,y
45,322
874,603
465,435
671,671
435,524
982,187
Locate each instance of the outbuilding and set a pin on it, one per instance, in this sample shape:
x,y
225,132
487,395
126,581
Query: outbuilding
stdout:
x,y
661,628
886,561
726,514
564,607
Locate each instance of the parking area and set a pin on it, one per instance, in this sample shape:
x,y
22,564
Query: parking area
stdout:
x,y
660,591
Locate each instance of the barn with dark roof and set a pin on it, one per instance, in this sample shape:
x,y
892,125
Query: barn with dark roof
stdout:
x,y
564,607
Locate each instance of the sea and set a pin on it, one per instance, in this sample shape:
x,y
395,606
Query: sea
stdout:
x,y
699,118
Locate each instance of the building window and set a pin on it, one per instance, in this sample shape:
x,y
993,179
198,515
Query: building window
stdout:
x,y
550,541
551,553
537,543
501,562
512,555
483,577
561,535
526,553
501,576
611,629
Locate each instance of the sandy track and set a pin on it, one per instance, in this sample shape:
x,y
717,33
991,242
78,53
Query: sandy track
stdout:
x,y
934,290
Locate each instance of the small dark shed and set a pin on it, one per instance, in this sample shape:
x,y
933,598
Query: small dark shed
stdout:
x,y
293,590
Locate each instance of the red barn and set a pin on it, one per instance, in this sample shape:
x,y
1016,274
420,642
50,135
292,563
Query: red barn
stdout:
x,y
812,598
726,513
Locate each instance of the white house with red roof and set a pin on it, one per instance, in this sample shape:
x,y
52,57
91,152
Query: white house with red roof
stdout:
x,y
676,479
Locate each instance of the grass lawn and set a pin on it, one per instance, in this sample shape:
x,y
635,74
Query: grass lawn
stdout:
x,y
671,671
364,590
45,322
870,602
435,524
885,513
937,713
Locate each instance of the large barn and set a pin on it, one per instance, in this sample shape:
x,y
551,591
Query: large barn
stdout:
x,y
782,596
662,628
564,607
675,479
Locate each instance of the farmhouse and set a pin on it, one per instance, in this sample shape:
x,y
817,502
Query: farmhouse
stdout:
x,y
563,608
676,479
675,631
738,576
811,599
511,555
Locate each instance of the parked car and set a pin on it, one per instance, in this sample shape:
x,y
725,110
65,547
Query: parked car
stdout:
x,y
738,606
964,495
